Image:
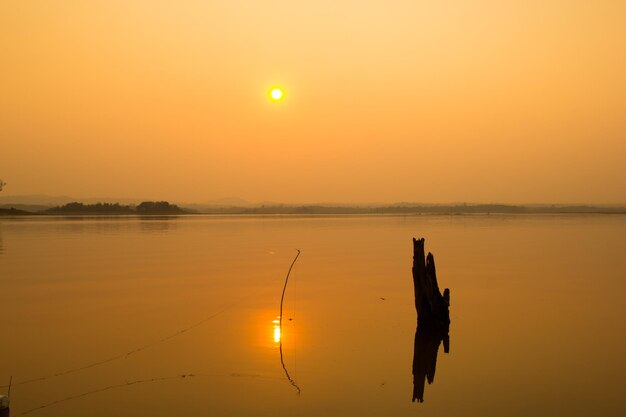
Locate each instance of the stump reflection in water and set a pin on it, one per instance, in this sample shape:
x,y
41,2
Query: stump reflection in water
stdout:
x,y
427,341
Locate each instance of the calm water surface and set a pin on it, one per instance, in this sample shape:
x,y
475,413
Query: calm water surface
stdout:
x,y
537,305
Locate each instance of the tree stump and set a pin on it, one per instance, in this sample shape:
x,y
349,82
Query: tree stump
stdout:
x,y
433,307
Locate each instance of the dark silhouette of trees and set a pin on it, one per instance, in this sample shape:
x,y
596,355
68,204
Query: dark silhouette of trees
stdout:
x,y
158,207
99,208
145,208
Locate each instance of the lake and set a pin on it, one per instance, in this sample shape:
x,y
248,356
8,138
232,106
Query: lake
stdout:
x,y
163,316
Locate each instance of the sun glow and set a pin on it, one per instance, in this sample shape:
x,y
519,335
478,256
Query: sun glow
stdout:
x,y
276,93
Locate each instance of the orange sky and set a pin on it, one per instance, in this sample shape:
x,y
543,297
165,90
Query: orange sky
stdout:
x,y
481,101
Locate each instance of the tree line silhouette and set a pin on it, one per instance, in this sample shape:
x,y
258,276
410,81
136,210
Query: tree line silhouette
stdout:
x,y
146,207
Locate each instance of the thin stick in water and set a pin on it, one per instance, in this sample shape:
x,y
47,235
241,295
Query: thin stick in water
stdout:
x,y
282,297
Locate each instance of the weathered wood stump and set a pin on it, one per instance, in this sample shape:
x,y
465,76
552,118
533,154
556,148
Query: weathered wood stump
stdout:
x,y
433,307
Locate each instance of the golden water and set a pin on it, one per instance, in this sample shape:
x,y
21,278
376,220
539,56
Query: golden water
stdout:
x,y
537,308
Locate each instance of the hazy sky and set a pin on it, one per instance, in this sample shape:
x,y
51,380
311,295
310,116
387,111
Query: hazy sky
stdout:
x,y
425,101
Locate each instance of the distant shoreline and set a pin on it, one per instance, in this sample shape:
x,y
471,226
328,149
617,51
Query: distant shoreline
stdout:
x,y
417,210
167,209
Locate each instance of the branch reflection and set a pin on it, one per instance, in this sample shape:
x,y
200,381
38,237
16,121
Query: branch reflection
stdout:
x,y
278,340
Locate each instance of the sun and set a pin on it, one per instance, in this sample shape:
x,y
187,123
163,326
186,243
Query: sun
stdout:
x,y
276,93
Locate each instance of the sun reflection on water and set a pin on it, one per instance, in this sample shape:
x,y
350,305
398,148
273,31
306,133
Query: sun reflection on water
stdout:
x,y
276,329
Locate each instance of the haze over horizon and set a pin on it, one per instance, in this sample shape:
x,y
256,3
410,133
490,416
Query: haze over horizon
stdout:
x,y
485,102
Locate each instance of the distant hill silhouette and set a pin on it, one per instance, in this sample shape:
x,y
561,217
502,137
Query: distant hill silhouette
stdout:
x,y
33,208
12,212
59,200
35,200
